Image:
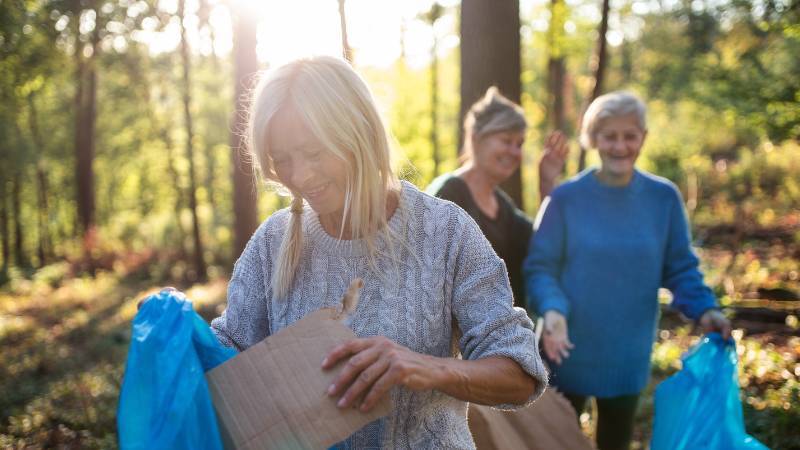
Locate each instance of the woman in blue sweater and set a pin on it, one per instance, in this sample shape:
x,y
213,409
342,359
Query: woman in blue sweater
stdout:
x,y
605,242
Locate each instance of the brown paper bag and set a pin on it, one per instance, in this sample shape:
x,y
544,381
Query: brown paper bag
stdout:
x,y
273,395
548,424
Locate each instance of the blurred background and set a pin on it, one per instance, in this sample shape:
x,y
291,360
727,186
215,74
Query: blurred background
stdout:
x,y
122,167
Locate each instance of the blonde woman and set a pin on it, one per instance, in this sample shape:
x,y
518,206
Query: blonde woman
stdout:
x,y
605,242
427,269
494,131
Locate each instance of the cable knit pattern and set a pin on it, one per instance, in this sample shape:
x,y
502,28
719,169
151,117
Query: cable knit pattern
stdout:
x,y
448,276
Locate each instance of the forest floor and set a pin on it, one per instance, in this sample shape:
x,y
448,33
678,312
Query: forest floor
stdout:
x,y
64,341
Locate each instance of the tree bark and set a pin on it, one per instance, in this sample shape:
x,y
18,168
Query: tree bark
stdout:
x,y
490,55
244,189
199,262
599,64
556,69
4,237
347,52
19,252
44,246
433,15
86,98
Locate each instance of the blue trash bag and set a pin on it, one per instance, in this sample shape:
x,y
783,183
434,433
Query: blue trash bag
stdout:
x,y
164,402
699,407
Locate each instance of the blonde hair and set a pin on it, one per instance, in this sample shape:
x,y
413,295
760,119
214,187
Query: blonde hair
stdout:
x,y
340,111
613,104
491,114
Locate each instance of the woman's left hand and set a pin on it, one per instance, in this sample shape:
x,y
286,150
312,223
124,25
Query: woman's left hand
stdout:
x,y
714,320
375,365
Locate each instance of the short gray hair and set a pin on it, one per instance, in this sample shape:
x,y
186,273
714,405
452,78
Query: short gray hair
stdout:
x,y
613,104
491,114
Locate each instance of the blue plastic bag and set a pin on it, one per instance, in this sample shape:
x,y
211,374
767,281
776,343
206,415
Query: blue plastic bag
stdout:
x,y
699,407
164,402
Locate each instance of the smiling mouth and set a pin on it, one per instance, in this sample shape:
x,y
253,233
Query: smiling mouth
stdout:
x,y
316,191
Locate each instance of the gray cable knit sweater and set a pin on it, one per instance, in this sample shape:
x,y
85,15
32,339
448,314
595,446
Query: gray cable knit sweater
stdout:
x,y
449,275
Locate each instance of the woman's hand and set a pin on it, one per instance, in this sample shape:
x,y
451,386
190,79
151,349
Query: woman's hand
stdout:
x,y
375,365
165,290
714,320
551,165
556,338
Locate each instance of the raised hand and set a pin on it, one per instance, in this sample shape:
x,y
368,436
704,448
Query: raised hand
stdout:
x,y
551,164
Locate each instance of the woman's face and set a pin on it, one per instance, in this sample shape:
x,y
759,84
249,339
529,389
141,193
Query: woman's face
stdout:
x,y
305,166
619,141
499,154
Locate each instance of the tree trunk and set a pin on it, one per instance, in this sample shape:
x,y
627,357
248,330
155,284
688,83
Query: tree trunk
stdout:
x,y
204,13
19,252
347,52
490,55
199,262
85,115
599,64
43,247
85,143
244,189
176,182
556,69
4,238
435,105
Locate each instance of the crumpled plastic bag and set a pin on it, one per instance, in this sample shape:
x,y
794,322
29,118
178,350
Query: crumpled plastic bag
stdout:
x,y
164,402
699,407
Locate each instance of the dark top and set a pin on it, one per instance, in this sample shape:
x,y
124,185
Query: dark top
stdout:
x,y
508,233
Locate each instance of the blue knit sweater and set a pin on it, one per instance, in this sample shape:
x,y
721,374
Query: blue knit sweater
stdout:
x,y
598,256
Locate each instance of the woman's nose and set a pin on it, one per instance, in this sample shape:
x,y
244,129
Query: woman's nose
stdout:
x,y
302,174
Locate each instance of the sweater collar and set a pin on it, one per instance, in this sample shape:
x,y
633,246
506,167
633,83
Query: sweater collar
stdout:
x,y
590,175
321,240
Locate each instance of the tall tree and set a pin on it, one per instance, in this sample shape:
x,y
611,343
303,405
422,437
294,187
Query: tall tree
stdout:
x,y
347,52
199,262
431,17
44,246
19,249
556,68
85,117
4,235
599,63
244,190
490,55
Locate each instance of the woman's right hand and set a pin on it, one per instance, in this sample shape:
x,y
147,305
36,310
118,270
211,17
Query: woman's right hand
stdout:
x,y
556,338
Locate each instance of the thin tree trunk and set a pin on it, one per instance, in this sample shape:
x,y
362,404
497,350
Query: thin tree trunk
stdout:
x,y
199,263
19,253
556,69
600,63
4,237
490,55
175,176
244,190
435,105
44,247
86,99
204,15
347,52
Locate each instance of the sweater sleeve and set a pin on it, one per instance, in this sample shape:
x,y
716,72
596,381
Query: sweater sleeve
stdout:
x,y
543,265
681,274
245,321
482,306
